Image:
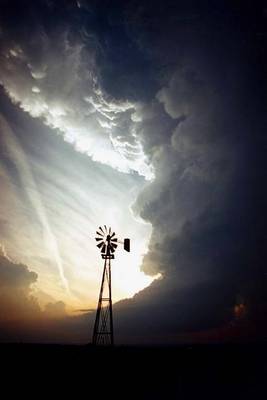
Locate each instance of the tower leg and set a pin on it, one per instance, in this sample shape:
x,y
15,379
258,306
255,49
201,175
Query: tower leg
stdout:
x,y
103,328
110,306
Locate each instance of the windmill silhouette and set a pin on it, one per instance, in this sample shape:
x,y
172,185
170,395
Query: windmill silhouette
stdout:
x,y
107,242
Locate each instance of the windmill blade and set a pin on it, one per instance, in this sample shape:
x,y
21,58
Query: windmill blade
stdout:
x,y
114,240
99,245
113,234
99,239
102,230
114,246
106,229
109,231
99,233
103,250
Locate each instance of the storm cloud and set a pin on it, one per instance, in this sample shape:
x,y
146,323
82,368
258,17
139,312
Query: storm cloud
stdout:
x,y
15,290
204,134
22,319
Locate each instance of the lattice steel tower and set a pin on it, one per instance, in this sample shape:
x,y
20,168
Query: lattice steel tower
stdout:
x,y
103,329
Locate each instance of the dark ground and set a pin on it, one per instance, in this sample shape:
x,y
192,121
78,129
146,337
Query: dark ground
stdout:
x,y
186,372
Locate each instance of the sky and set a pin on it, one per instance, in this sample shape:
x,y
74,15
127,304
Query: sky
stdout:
x,y
148,117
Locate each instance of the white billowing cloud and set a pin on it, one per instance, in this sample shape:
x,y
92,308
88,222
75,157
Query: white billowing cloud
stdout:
x,y
35,89
61,86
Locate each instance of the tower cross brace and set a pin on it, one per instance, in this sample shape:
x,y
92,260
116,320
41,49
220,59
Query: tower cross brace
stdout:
x,y
103,328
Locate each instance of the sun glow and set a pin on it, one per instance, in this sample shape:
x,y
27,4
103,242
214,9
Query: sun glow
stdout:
x,y
128,279
72,196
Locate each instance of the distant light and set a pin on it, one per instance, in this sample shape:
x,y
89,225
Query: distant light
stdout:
x,y
239,310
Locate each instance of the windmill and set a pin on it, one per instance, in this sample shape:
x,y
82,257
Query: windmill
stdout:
x,y
107,242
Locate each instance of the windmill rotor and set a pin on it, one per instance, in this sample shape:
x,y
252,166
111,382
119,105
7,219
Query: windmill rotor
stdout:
x,y
107,241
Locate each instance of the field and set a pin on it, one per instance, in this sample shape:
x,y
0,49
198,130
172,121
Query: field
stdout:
x,y
185,372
